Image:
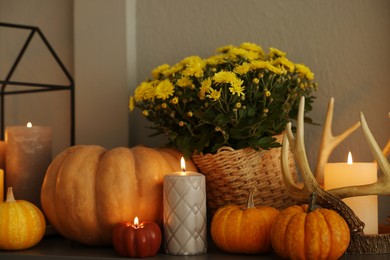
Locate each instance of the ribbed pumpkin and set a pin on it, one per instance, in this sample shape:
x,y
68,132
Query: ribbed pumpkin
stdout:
x,y
240,229
88,189
22,224
319,234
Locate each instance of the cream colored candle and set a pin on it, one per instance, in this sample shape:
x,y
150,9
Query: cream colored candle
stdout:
x,y
184,217
27,158
348,174
1,185
2,154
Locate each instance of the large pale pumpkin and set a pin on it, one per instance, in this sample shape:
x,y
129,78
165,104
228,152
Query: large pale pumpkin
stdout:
x,y
88,189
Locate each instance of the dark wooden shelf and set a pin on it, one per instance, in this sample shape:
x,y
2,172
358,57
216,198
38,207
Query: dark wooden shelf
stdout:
x,y
56,247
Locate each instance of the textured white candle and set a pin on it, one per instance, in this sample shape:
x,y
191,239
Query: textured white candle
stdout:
x,y
343,174
27,157
185,217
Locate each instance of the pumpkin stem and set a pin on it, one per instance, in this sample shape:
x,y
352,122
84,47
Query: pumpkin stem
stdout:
x,y
251,203
10,196
312,201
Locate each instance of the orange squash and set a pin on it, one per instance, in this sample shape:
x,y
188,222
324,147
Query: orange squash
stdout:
x,y
22,224
88,189
246,230
319,234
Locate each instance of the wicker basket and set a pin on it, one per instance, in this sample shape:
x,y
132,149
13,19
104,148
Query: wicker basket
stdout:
x,y
231,174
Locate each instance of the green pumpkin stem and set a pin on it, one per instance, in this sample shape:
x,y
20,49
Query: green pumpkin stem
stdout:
x,y
251,203
312,201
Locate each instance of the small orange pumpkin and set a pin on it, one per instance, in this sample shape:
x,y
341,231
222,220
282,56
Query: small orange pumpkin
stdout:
x,y
236,229
22,224
301,234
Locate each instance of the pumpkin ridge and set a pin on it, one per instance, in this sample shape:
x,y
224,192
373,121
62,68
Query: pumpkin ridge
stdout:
x,y
50,186
334,222
78,163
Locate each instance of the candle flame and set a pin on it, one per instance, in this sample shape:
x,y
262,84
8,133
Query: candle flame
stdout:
x,y
183,164
136,224
29,125
350,158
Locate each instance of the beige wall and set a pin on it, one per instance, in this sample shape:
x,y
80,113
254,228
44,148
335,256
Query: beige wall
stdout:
x,y
345,43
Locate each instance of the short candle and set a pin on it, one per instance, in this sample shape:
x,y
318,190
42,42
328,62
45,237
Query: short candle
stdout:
x,y
339,175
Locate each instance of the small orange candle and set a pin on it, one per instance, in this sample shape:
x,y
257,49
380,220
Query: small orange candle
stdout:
x,y
339,175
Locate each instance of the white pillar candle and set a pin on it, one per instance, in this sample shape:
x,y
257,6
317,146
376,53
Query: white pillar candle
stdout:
x,y
27,157
184,214
339,175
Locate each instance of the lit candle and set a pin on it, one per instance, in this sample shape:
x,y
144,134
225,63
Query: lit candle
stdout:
x,y
339,175
184,214
27,158
1,185
2,155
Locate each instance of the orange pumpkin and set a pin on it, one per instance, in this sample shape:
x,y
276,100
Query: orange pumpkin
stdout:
x,y
22,224
236,229
319,234
88,189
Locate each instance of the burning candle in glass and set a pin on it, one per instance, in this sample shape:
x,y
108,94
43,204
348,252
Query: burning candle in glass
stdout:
x,y
184,217
27,157
349,174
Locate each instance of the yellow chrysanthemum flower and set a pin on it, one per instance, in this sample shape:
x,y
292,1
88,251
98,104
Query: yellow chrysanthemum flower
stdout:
x,y
237,88
159,70
184,82
172,70
224,77
216,59
252,47
304,71
145,91
285,62
205,86
249,55
131,103
242,69
164,89
273,52
258,64
225,48
214,94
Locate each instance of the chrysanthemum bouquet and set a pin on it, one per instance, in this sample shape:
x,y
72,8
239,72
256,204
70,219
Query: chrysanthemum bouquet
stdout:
x,y
240,98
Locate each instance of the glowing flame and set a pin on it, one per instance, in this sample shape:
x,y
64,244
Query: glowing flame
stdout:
x,y
183,164
29,125
349,158
136,221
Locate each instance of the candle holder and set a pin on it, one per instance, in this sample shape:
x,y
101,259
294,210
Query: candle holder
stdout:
x,y
31,86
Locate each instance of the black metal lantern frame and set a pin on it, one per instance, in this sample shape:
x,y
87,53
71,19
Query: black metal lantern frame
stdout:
x,y
7,83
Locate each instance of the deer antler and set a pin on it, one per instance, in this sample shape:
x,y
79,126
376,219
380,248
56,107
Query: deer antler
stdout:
x,y
329,142
331,199
310,184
